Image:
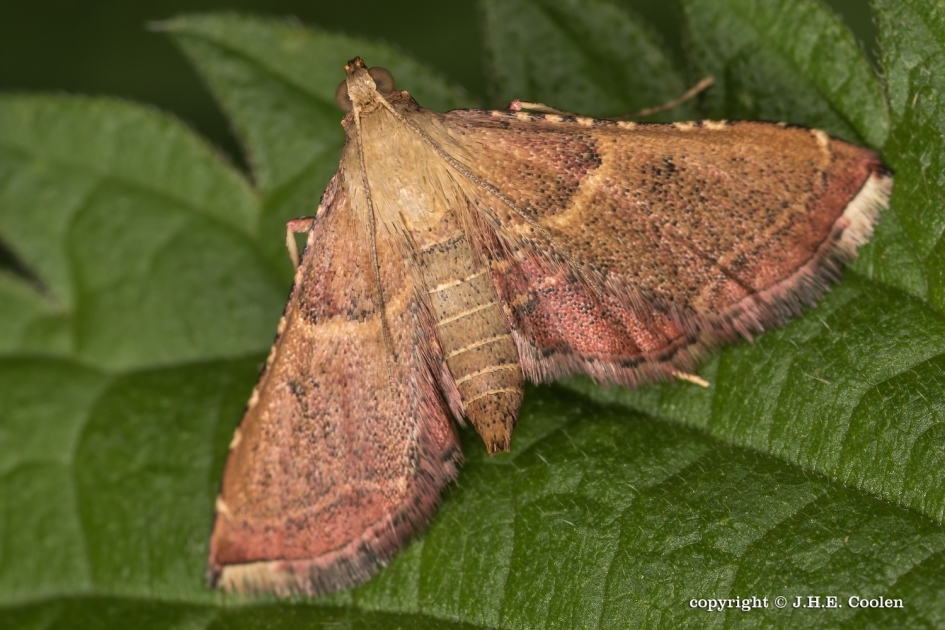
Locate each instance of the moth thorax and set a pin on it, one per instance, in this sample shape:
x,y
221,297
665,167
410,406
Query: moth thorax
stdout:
x,y
474,335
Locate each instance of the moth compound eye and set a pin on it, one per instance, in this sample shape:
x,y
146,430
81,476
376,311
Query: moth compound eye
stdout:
x,y
383,79
342,98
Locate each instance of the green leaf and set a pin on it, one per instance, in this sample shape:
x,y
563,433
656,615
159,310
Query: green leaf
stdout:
x,y
110,612
127,217
30,320
585,56
603,510
811,466
913,56
849,391
789,60
891,256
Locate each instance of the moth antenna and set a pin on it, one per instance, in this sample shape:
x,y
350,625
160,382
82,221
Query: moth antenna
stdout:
x,y
375,264
688,95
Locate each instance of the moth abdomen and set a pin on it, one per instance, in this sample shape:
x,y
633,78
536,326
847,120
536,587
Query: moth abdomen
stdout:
x,y
475,338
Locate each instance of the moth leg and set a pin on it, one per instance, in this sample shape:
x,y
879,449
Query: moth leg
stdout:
x,y
692,378
689,94
293,227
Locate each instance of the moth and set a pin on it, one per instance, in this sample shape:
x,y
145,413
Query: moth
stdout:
x,y
453,256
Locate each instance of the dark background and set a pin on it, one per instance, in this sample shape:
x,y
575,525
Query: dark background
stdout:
x,y
105,48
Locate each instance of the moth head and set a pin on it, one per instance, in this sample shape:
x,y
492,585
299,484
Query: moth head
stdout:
x,y
362,85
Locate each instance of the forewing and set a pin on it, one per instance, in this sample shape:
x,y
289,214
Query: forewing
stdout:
x,y
625,250
344,447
